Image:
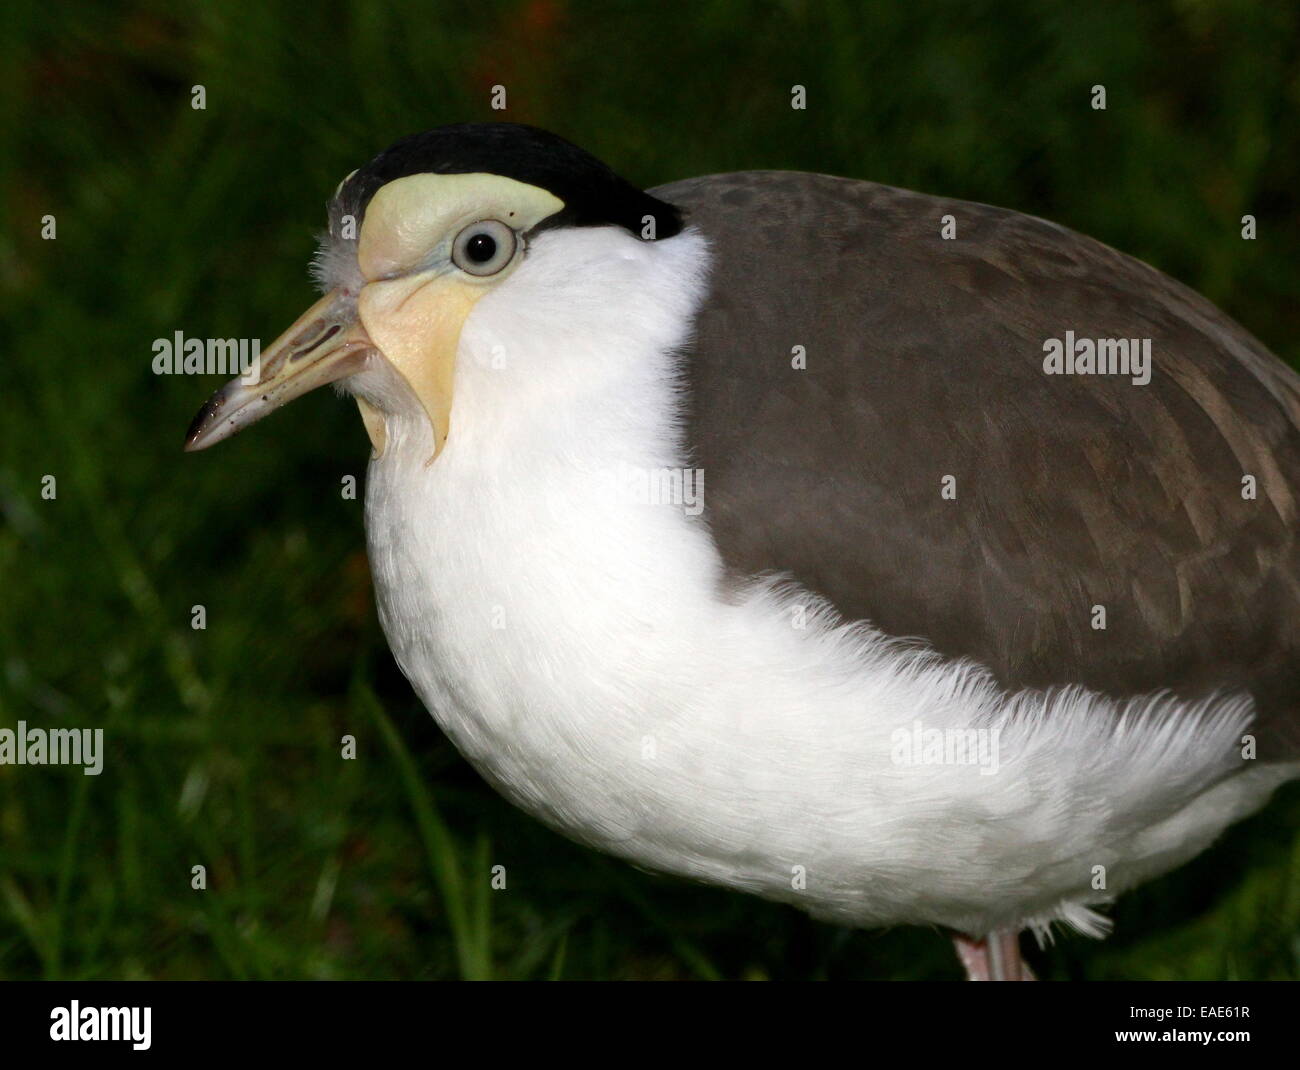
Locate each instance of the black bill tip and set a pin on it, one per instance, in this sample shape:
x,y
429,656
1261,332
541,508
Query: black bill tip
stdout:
x,y
203,419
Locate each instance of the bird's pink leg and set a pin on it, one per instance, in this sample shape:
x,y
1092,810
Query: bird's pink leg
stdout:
x,y
995,958
974,955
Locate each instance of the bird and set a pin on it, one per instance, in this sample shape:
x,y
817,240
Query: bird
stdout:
x,y
907,560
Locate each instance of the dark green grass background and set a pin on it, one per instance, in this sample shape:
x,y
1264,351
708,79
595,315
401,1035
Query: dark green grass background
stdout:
x,y
223,745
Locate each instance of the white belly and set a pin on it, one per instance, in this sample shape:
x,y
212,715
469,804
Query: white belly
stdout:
x,y
576,651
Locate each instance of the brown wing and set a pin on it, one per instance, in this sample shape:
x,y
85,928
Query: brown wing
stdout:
x,y
925,360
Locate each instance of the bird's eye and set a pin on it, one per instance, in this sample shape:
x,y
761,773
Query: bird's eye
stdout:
x,y
484,248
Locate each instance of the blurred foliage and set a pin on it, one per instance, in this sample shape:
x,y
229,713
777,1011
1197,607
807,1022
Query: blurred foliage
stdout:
x,y
223,744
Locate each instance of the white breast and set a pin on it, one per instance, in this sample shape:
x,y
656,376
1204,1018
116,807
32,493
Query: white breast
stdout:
x,y
577,646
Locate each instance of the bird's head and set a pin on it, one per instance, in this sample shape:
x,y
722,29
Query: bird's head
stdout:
x,y
417,237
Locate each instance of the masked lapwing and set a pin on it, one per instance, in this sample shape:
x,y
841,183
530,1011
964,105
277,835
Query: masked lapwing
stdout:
x,y
907,560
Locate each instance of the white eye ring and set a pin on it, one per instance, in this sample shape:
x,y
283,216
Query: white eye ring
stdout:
x,y
484,248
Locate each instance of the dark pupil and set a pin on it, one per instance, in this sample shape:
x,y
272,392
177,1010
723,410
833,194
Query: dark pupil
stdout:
x,y
481,248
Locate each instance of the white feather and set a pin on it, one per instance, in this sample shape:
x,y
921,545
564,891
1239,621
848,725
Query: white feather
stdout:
x,y
584,653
